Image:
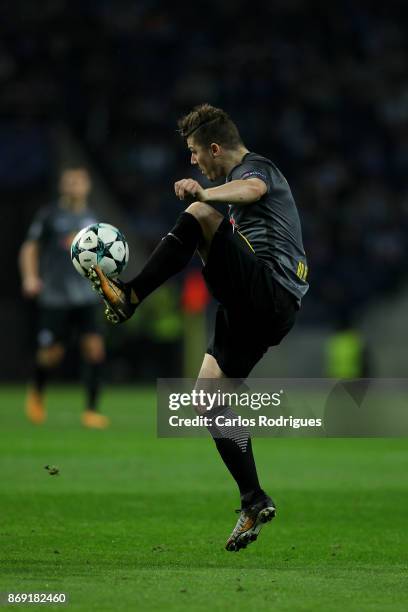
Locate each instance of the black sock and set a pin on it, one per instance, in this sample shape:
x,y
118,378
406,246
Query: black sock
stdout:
x,y
40,377
92,375
170,256
235,447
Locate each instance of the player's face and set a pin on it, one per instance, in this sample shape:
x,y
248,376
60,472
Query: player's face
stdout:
x,y
204,158
75,184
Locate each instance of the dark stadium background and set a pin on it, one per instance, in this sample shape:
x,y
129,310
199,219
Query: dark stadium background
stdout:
x,y
322,91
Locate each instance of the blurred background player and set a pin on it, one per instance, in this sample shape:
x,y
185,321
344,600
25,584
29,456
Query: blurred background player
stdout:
x,y
66,305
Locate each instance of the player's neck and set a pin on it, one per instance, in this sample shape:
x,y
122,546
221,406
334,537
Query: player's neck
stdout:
x,y
73,204
233,158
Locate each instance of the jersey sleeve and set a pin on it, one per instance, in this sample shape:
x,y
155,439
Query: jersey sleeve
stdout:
x,y
249,170
38,227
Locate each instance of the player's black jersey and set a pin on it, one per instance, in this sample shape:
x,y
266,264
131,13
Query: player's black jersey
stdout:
x,y
272,225
54,227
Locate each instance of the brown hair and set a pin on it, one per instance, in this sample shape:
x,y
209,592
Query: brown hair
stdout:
x,y
210,124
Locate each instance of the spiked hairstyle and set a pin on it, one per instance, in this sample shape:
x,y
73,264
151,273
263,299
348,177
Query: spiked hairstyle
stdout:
x,y
209,124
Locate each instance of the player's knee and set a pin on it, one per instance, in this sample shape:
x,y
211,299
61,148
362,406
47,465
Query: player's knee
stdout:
x,y
208,218
204,213
201,410
50,356
93,349
94,354
199,210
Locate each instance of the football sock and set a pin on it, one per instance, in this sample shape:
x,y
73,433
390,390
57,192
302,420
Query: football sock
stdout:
x,y
235,447
40,377
170,256
92,376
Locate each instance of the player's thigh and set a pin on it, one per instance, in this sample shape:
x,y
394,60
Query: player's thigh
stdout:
x,y
237,344
232,269
51,332
88,320
89,326
243,334
210,368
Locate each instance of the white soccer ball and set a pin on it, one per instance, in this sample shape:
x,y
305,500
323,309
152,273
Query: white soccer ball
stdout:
x,y
101,244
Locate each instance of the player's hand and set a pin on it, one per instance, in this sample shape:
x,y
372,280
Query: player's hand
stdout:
x,y
32,286
189,189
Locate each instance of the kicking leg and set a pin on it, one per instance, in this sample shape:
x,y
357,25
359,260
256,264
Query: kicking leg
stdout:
x,y
193,231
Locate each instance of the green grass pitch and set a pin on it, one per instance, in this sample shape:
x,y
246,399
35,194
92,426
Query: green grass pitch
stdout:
x,y
134,522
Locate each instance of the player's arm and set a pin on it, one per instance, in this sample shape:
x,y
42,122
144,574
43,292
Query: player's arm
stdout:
x,y
235,192
29,268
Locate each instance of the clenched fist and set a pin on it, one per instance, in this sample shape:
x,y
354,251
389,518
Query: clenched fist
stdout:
x,y
189,189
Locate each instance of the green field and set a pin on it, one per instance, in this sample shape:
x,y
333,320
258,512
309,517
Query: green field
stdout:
x,y
139,523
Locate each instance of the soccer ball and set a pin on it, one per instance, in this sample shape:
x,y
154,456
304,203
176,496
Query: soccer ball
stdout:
x,y
101,244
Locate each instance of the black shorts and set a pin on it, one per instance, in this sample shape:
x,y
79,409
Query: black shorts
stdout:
x,y
255,311
62,324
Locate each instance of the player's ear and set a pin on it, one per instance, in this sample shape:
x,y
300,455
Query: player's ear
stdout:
x,y
215,149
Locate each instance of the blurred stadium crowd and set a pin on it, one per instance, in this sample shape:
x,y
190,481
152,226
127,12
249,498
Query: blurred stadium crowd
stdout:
x,y
321,89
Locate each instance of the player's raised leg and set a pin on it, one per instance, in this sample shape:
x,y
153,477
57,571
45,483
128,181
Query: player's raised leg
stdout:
x,y
235,447
193,231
